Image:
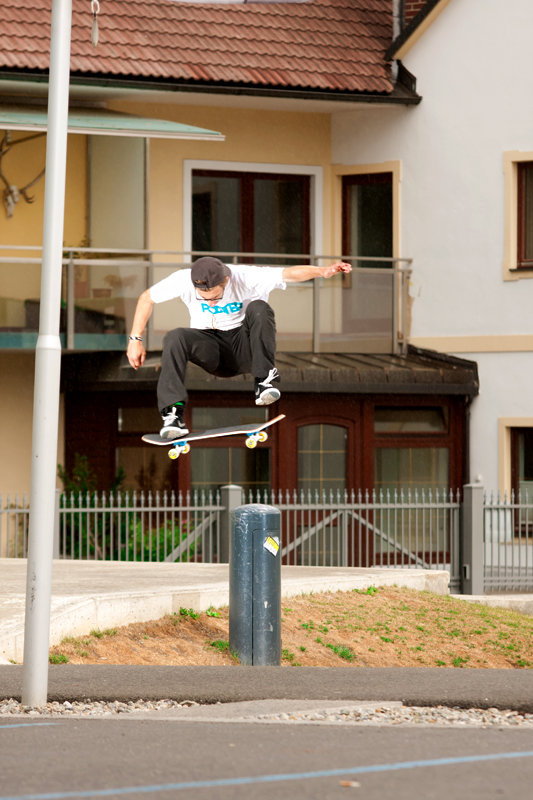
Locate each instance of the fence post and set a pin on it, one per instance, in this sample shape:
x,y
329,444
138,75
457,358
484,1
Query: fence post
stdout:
x,y
231,497
472,550
55,552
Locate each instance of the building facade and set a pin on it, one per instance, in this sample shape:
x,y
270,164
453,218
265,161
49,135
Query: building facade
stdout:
x,y
291,154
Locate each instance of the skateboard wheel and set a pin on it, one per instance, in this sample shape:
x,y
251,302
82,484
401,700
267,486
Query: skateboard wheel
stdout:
x,y
262,436
173,453
251,443
186,448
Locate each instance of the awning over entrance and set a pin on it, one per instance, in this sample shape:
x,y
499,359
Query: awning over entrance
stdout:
x,y
103,122
420,372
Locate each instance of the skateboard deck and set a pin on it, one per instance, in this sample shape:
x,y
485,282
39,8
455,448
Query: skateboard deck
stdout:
x,y
254,432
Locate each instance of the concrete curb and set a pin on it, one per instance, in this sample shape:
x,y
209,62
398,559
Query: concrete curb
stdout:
x,y
521,603
77,614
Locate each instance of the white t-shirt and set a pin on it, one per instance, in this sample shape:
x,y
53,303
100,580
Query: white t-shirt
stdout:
x,y
246,283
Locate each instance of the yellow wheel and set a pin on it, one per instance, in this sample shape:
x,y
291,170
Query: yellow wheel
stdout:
x,y
251,443
185,449
263,436
173,453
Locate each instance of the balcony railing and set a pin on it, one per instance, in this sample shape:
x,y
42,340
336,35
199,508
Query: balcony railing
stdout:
x,y
364,312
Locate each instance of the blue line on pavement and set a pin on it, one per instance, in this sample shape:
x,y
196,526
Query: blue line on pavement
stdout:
x,y
291,776
25,725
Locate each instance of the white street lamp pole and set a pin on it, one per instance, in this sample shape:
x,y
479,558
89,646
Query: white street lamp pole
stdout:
x,y
47,372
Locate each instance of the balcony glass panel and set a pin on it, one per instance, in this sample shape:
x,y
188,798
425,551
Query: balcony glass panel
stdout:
x,y
355,312
105,297
20,287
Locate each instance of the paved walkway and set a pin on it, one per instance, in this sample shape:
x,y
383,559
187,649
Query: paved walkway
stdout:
x,y
89,594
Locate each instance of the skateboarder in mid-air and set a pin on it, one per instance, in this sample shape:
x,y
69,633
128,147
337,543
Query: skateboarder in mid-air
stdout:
x,y
233,330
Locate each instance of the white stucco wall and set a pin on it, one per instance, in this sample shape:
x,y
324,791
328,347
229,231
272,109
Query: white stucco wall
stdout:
x,y
506,391
474,74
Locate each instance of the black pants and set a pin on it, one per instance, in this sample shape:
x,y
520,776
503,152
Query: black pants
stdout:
x,y
249,348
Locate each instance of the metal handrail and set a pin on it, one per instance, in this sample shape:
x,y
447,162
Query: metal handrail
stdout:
x,y
399,267
232,253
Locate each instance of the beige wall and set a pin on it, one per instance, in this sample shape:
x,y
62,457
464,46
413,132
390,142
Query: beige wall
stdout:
x,y
21,165
252,135
16,411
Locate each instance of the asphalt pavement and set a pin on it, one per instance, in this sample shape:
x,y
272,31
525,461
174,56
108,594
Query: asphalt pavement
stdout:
x,y
72,758
467,688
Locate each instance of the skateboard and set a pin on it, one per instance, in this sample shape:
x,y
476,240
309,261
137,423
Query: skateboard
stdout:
x,y
254,433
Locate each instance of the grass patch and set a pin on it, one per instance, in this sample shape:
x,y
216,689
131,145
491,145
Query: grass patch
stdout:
x,y
221,645
342,651
286,655
58,658
189,612
458,661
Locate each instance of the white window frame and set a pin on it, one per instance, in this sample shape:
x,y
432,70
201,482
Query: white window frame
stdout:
x,y
316,195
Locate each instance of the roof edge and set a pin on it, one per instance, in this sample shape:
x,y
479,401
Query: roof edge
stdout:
x,y
416,28
445,358
400,95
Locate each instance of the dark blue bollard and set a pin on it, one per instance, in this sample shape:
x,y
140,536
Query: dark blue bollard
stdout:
x,y
255,585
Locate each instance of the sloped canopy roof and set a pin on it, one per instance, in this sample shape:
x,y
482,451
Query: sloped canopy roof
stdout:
x,y
422,372
101,121
321,45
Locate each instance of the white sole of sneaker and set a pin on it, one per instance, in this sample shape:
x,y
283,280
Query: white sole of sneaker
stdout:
x,y
170,434
268,396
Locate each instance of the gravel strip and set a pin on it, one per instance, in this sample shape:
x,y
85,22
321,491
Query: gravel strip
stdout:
x,y
97,708
411,715
408,715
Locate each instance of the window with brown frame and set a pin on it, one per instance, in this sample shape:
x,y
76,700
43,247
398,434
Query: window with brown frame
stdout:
x,y
525,215
367,217
522,461
412,449
250,212
327,441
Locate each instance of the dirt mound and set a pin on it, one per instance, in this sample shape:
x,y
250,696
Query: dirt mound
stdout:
x,y
377,628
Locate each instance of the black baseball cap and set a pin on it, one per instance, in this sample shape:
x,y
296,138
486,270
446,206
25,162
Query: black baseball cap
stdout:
x,y
208,272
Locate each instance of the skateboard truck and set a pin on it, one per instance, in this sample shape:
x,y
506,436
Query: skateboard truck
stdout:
x,y
179,449
253,438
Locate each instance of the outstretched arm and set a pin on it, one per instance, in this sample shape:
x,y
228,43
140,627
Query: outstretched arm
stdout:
x,y
136,352
306,273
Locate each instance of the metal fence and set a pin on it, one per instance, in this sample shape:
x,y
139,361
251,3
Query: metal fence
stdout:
x,y
122,526
395,530
508,543
486,544
334,529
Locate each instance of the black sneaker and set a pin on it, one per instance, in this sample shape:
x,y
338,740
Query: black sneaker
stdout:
x,y
265,393
173,423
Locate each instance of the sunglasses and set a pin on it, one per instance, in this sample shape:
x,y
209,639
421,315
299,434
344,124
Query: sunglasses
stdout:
x,y
210,299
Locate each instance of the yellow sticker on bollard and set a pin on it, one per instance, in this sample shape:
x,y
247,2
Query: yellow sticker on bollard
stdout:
x,y
271,544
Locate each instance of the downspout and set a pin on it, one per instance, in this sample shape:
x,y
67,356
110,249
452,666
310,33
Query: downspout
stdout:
x,y
398,14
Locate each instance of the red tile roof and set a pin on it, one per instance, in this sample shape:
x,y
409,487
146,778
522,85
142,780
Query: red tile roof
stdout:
x,y
322,45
